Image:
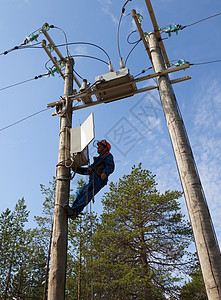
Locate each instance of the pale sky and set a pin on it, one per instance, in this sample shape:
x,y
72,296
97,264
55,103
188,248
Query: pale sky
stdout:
x,y
29,149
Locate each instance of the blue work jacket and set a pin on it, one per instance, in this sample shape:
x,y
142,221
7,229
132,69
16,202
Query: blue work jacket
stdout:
x,y
103,164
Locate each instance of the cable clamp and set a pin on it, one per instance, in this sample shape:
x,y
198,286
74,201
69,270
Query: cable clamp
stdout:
x,y
60,109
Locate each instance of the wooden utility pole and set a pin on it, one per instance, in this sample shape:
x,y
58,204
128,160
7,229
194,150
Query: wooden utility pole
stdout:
x,y
205,239
57,274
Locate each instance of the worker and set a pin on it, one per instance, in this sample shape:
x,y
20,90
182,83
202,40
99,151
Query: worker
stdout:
x,y
99,171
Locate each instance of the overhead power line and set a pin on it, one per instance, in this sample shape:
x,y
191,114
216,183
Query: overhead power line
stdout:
x,y
176,27
18,83
191,64
28,117
213,16
206,62
60,45
86,43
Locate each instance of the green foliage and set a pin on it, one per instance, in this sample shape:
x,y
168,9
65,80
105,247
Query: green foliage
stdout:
x,y
135,250
44,222
141,241
22,258
195,288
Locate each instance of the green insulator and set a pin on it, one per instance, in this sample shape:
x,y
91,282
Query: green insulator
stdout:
x,y
46,26
140,17
50,47
176,29
170,30
51,71
34,37
180,62
54,69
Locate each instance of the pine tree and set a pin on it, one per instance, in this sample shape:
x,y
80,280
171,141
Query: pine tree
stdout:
x,y
22,258
195,288
141,241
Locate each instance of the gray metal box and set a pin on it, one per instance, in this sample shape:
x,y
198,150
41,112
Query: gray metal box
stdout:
x,y
116,85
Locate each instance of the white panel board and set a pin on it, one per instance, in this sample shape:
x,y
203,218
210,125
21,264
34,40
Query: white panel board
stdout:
x,y
87,131
83,135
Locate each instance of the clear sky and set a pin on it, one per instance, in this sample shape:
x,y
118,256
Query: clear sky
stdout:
x,y
29,150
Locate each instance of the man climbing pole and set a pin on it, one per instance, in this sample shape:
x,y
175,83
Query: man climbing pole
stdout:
x,y
99,171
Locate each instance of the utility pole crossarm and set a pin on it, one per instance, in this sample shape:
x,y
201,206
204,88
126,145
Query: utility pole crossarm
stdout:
x,y
43,43
156,30
141,33
135,80
44,31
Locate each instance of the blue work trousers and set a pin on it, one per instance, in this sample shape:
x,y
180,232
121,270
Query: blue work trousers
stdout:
x,y
85,194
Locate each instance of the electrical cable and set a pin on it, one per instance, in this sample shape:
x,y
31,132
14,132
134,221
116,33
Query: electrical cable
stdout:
x,y
66,40
89,56
131,51
143,71
118,27
129,37
218,14
205,63
20,47
28,117
15,84
88,88
197,64
78,74
61,45
86,43
178,27
191,64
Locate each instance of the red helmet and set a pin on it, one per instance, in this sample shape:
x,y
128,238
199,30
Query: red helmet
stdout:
x,y
104,143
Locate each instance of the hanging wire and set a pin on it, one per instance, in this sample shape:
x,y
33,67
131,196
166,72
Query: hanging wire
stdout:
x,y
20,47
143,71
89,56
85,43
78,74
28,117
118,27
128,38
205,63
66,40
197,64
18,83
213,16
178,27
60,45
131,51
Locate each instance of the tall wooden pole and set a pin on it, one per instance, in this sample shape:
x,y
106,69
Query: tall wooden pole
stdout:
x,y
205,239
57,274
